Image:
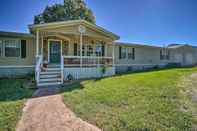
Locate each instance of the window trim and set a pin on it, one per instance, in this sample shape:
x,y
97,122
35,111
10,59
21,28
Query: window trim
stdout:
x,y
4,46
89,51
125,53
164,54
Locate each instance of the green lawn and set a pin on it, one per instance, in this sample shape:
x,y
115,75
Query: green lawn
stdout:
x,y
154,100
12,98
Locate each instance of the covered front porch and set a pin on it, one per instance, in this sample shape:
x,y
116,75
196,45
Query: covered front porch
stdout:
x,y
80,50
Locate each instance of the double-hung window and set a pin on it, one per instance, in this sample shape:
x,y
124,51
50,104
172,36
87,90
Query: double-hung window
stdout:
x,y
98,49
131,53
124,53
89,50
164,54
12,48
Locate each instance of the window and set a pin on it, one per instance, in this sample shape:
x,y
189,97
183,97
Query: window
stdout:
x,y
1,47
89,50
76,53
98,49
124,53
12,48
168,55
164,54
131,53
83,50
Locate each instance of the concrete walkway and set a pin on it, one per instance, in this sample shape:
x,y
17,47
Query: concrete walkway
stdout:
x,y
47,112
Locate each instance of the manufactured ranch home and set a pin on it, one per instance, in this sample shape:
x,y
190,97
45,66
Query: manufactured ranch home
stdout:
x,y
78,49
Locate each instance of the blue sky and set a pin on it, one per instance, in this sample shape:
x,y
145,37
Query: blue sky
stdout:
x,y
155,22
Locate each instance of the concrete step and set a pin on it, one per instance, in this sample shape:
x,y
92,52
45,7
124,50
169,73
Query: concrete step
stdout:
x,y
53,66
50,72
53,69
50,76
49,84
50,80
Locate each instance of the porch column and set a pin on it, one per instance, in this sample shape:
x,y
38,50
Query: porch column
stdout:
x,y
81,44
37,43
42,45
113,54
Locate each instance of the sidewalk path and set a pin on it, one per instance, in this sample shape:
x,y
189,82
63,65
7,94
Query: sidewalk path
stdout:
x,y
47,112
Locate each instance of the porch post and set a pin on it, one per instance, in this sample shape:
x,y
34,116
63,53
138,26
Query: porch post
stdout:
x,y
113,54
37,43
42,45
81,44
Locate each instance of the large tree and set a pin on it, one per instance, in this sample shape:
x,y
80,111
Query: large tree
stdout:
x,y
70,10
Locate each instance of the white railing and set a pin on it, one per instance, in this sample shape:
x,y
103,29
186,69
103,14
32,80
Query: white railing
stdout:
x,y
89,57
39,60
87,61
62,69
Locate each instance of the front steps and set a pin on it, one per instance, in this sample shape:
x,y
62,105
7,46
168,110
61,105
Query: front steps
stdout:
x,y
51,76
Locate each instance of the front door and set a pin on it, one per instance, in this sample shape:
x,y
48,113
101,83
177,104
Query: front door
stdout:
x,y
55,51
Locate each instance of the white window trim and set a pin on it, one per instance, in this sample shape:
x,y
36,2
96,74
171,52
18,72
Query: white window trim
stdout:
x,y
126,55
3,52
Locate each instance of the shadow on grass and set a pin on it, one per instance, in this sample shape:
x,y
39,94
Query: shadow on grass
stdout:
x,y
76,85
12,89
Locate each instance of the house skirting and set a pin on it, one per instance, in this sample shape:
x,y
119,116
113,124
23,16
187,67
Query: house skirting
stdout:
x,y
16,71
87,72
121,68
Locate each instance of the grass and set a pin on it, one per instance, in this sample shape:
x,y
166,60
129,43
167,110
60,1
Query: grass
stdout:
x,y
150,100
12,98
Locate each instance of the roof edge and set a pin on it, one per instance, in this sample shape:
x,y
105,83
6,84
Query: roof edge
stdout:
x,y
71,22
136,44
15,34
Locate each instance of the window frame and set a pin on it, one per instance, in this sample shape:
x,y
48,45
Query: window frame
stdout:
x,y
164,54
124,54
89,52
4,47
98,49
131,53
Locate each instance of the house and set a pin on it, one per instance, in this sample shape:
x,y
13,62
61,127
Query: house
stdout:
x,y
131,56
71,48
78,49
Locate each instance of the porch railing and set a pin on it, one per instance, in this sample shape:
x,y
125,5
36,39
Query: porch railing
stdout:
x,y
39,63
74,61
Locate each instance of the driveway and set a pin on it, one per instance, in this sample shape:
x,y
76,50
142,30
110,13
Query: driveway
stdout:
x,y
45,111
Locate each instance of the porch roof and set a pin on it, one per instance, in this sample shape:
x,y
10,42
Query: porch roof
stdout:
x,y
34,27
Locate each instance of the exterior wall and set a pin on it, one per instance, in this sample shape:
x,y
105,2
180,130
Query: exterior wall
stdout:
x,y
185,55
30,55
88,72
145,57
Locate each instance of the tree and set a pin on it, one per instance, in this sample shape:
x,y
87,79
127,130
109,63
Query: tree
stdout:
x,y
70,10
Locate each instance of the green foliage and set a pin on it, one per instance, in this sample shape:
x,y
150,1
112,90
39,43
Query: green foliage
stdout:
x,y
136,101
12,98
70,10
103,69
